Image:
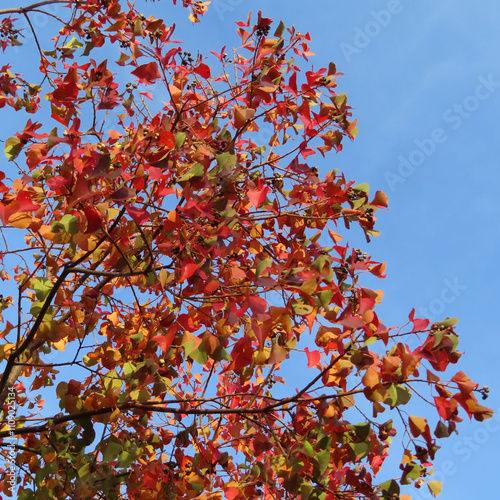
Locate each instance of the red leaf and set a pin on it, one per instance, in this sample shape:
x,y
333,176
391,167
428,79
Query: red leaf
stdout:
x,y
445,407
292,87
351,322
231,493
66,92
418,324
313,357
80,192
57,182
257,196
203,70
140,215
25,202
257,304
165,341
258,332
5,212
123,194
147,73
149,479
167,139
187,271
94,219
242,354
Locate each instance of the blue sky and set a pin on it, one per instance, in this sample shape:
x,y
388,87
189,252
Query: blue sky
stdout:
x,y
424,81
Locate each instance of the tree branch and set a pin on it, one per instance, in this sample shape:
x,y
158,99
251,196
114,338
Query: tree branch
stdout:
x,y
22,10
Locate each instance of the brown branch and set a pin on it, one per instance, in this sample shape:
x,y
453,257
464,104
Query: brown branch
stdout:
x,y
22,10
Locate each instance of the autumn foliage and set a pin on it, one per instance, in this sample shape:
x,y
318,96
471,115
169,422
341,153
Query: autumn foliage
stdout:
x,y
167,274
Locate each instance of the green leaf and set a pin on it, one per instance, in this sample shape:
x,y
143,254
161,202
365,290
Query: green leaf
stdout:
x,y
362,430
364,187
324,443
302,309
308,449
112,381
340,99
68,223
305,491
255,472
26,495
360,450
296,464
88,435
13,147
280,29
73,44
448,322
292,483
61,389
111,449
84,470
358,203
42,287
325,297
196,170
323,458
277,462
88,47
126,459
180,137
262,266
221,354
199,355
128,369
412,471
397,395
226,161
390,488
36,308
454,340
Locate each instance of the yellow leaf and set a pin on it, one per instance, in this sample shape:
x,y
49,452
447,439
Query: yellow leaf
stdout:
x,y
309,286
60,345
435,487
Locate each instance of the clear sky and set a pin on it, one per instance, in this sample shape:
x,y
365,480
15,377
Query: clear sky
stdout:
x,y
424,81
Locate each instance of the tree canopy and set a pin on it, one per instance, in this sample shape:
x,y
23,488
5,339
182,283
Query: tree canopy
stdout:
x,y
168,274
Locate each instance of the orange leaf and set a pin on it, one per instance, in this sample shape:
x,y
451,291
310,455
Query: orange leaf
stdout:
x,y
380,200
242,116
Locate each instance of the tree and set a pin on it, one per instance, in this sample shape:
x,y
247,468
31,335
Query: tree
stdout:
x,y
177,267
